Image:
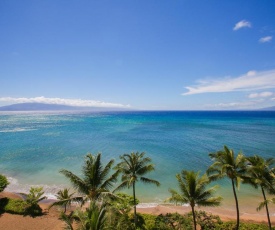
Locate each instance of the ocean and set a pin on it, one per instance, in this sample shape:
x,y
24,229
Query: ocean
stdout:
x,y
34,147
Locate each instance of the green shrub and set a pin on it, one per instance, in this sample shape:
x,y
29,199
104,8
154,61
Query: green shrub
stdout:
x,y
205,220
34,196
20,207
243,226
149,221
174,221
3,182
13,206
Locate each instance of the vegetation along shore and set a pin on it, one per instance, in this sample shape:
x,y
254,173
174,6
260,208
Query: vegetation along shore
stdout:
x,y
96,202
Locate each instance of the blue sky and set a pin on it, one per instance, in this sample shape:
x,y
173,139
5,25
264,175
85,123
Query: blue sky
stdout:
x,y
140,54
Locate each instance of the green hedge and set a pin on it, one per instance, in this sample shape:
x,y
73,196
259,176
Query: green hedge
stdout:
x,y
14,206
20,207
229,225
206,221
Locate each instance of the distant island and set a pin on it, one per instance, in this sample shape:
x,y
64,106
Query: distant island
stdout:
x,y
269,108
58,107
53,107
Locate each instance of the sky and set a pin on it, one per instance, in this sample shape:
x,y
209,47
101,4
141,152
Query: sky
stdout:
x,y
139,54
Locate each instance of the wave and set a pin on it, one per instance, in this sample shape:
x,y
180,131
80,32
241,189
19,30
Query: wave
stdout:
x,y
147,205
50,191
15,130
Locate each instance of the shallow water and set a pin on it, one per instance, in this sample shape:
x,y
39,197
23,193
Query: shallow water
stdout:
x,y
35,146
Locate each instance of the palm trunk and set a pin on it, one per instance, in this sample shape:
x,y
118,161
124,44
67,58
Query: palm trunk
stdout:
x,y
266,207
237,205
194,217
135,209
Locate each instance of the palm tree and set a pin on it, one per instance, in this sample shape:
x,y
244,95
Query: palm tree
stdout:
x,y
68,219
96,179
65,199
32,199
260,174
194,191
93,218
225,164
133,167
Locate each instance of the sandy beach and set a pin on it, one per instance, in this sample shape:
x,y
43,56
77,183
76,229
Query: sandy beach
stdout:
x,y
50,221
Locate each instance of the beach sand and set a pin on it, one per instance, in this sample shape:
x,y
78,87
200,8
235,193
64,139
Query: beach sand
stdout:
x,y
50,221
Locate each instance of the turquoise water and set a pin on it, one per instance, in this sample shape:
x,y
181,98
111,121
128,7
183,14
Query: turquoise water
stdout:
x,y
34,147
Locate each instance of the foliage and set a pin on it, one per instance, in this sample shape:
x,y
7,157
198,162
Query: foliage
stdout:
x,y
96,181
172,221
93,218
119,212
68,219
13,206
194,191
3,182
227,165
119,221
230,225
149,221
35,195
260,173
123,203
206,221
65,199
133,167
32,199
29,206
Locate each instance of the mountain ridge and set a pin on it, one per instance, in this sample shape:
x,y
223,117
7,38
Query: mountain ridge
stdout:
x,y
53,107
272,108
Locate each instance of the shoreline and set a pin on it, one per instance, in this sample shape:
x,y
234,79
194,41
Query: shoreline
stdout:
x,y
226,214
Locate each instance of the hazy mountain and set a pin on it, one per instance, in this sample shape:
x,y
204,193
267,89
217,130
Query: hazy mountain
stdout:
x,y
269,108
52,107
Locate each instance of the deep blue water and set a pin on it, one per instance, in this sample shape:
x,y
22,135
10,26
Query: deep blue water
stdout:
x,y
35,146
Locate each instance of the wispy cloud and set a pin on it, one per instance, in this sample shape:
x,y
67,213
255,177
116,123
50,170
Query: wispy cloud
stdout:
x,y
250,81
261,95
242,24
62,101
265,39
235,105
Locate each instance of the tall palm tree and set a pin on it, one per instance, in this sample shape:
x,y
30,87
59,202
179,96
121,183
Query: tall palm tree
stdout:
x,y
226,165
260,174
96,180
194,192
133,167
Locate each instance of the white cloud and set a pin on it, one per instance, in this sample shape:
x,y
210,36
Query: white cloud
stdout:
x,y
242,24
259,95
61,101
251,81
265,39
235,105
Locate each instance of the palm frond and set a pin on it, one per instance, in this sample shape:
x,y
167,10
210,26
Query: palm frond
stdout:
x,y
149,181
77,182
123,185
68,219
